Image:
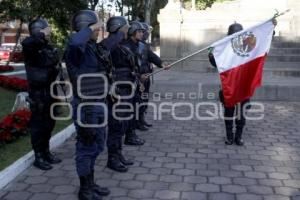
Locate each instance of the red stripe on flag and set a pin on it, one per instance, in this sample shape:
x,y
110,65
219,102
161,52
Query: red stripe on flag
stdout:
x,y
239,83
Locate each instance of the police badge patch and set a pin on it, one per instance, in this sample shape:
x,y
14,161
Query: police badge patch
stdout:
x,y
243,44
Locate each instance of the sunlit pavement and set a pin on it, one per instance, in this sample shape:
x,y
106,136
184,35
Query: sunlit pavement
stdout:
x,y
188,160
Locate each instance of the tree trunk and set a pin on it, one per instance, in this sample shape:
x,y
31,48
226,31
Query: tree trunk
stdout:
x,y
148,9
193,4
103,18
93,4
120,5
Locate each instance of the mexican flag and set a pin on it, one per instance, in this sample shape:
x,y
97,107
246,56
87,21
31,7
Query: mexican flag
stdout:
x,y
240,58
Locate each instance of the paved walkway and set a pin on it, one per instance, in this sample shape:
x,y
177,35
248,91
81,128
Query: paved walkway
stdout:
x,y
188,160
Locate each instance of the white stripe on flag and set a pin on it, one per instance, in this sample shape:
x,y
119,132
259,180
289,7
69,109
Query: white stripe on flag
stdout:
x,y
226,56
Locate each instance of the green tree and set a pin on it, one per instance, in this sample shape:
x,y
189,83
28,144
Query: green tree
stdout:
x,y
141,10
57,12
201,4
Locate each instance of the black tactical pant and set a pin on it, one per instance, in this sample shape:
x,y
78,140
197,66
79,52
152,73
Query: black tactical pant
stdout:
x,y
90,141
41,123
116,130
144,97
236,114
117,125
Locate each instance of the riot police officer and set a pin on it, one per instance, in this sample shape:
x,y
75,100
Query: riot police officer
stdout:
x,y
41,60
86,62
135,34
146,57
235,112
122,70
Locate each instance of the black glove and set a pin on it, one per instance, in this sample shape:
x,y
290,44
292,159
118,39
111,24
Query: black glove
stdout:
x,y
86,135
212,60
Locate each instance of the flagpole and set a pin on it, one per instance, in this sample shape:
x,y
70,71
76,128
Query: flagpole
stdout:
x,y
282,13
199,51
177,61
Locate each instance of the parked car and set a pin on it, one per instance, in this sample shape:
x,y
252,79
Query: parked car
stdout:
x,y
6,52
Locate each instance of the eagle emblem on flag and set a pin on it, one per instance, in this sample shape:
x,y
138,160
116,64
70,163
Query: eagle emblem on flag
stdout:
x,y
243,44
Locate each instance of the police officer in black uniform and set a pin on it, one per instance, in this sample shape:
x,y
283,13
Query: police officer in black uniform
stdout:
x,y
85,57
123,68
135,35
146,57
41,61
235,112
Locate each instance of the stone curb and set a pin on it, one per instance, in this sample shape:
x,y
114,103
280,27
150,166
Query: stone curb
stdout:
x,y
14,73
15,169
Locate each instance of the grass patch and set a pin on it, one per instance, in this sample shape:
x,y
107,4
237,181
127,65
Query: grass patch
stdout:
x,y
9,153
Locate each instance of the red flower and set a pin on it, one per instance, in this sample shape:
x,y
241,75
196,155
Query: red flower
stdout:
x,y
5,68
5,136
14,125
14,83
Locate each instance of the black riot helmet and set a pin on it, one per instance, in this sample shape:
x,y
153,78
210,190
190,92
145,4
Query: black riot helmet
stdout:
x,y
115,23
37,25
134,26
83,19
147,31
147,27
233,28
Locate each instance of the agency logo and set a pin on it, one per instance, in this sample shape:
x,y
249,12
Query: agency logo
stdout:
x,y
243,44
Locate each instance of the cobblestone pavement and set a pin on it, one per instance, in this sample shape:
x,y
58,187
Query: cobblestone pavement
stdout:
x,y
188,160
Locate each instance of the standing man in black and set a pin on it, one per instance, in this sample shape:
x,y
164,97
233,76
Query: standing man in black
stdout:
x,y
86,57
235,113
41,61
123,68
146,57
135,35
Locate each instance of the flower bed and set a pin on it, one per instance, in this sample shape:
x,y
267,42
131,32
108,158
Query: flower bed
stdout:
x,y
6,68
14,125
13,83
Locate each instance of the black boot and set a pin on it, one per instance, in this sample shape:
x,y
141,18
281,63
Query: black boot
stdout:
x,y
86,191
123,159
51,158
115,164
228,118
132,139
238,137
41,163
102,191
143,121
229,136
141,126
